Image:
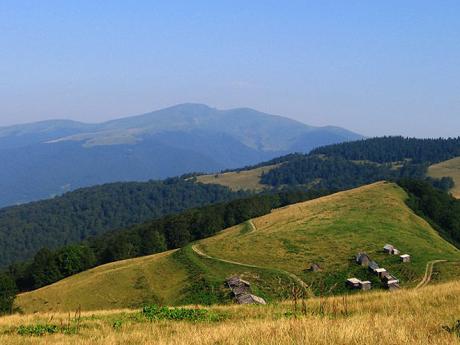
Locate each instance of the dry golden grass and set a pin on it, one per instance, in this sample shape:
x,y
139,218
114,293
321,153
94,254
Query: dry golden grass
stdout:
x,y
405,317
243,180
449,168
154,278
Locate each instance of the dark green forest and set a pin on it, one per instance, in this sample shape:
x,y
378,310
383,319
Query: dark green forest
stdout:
x,y
169,232
352,164
440,209
337,173
394,149
87,212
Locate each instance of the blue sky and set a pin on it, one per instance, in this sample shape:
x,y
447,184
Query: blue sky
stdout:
x,y
376,67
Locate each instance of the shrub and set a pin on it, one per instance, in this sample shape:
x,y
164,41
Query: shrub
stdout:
x,y
154,313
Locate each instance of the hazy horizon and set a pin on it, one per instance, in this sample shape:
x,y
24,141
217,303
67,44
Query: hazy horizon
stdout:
x,y
373,68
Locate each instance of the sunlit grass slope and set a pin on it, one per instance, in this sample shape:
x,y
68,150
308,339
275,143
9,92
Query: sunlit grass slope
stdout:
x,y
330,231
171,278
405,317
243,180
449,168
128,283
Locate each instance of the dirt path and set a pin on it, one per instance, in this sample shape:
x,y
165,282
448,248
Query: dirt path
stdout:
x,y
428,272
291,275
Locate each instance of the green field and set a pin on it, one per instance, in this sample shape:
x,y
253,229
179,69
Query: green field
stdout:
x,y
330,230
272,252
449,168
242,180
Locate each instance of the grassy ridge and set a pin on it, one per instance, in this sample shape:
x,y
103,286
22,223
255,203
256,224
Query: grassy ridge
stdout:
x,y
178,277
450,168
330,230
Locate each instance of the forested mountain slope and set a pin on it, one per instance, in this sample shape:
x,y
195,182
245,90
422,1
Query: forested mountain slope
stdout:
x,y
86,212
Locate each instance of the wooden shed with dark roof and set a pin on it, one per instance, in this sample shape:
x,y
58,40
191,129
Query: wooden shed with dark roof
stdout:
x,y
363,259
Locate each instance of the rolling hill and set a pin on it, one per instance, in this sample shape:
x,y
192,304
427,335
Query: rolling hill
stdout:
x,y
273,252
449,168
169,142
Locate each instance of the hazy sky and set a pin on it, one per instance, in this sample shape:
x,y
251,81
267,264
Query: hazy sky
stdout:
x,y
376,67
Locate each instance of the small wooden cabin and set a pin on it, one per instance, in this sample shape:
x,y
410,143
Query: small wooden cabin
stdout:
x,y
388,248
353,283
373,266
405,258
363,259
381,272
250,299
365,285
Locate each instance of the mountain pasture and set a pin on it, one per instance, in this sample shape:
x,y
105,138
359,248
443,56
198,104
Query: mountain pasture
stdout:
x,y
238,180
449,168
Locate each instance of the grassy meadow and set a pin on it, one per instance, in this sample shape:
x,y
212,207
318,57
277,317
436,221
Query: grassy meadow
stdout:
x,y
330,231
242,180
449,168
410,316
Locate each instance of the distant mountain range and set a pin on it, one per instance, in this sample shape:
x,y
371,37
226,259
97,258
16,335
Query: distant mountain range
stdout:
x,y
40,160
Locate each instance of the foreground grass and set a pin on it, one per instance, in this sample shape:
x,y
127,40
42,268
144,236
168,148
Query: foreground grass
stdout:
x,y
404,317
449,168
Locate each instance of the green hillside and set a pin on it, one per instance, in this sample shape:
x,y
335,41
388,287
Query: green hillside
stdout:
x,y
272,252
238,180
449,168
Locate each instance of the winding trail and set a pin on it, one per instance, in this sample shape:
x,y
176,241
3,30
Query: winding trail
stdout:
x,y
291,275
428,272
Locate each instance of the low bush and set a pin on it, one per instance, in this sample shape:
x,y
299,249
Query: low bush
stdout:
x,y
154,313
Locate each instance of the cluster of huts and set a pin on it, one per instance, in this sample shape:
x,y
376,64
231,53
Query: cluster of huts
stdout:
x,y
388,280
241,291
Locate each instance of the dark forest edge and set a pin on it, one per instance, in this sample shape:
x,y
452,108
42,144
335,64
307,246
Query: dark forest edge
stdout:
x,y
351,164
88,212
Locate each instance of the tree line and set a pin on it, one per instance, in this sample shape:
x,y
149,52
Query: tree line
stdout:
x,y
440,209
394,149
316,171
91,211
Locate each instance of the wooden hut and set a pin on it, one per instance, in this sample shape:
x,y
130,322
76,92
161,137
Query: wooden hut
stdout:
x,y
405,258
388,248
353,283
365,285
381,272
250,299
373,266
363,259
